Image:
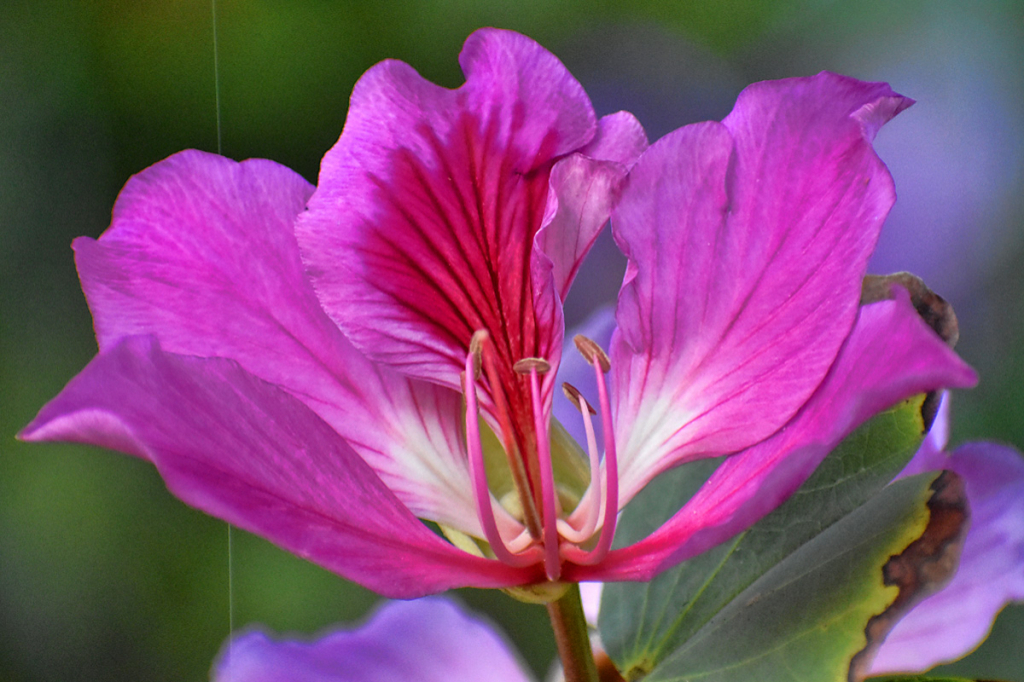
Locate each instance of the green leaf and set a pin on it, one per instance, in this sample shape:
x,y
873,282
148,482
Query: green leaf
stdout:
x,y
809,618
641,623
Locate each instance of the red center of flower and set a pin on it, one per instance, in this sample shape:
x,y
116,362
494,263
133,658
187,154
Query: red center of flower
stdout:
x,y
547,536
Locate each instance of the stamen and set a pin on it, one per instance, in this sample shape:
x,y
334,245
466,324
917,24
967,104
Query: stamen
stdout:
x,y
552,562
592,352
478,473
476,350
576,398
583,533
611,467
527,365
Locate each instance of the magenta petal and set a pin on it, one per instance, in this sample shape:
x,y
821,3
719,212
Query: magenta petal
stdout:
x,y
890,355
951,623
241,449
201,255
422,226
747,241
620,138
584,188
427,640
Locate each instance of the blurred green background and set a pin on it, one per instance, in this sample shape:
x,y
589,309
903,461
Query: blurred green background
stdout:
x,y
105,576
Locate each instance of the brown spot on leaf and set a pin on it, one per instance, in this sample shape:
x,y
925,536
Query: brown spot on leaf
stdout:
x,y
923,568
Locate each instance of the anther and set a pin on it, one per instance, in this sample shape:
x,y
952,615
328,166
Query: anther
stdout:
x,y
592,352
527,365
611,470
476,349
576,398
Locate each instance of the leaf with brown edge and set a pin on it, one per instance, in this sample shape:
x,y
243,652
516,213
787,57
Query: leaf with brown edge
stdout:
x,y
805,620
923,568
642,623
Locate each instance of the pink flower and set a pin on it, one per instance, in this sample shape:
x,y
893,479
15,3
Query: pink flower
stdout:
x,y
310,365
426,640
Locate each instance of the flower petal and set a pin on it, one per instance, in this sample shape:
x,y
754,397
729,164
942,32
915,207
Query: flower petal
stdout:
x,y
932,456
620,138
584,189
427,640
747,241
241,449
951,623
890,355
421,230
201,254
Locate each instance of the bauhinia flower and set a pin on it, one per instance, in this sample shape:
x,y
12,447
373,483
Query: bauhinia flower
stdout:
x,y
330,368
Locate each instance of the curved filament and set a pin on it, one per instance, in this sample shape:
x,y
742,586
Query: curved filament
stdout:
x,y
593,491
478,473
611,470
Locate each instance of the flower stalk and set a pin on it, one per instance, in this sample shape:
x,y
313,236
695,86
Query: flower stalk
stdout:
x,y
572,637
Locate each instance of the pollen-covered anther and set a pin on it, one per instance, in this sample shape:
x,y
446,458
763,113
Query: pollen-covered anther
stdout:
x,y
576,398
527,365
476,350
592,352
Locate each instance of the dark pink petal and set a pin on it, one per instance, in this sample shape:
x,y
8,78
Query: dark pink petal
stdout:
x,y
422,227
245,451
747,241
890,355
427,640
201,254
951,623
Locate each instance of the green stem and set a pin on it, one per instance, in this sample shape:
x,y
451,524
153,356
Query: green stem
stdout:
x,y
570,628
